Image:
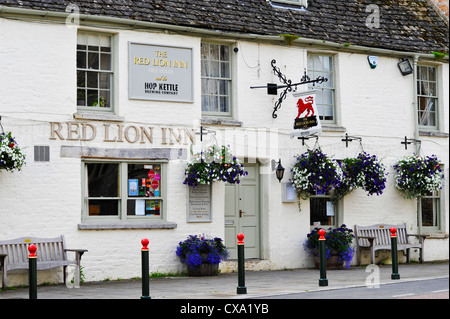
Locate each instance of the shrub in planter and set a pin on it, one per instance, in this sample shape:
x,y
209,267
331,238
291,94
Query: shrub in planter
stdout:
x,y
195,251
337,240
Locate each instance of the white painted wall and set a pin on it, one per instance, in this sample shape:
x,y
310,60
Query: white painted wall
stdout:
x,y
37,86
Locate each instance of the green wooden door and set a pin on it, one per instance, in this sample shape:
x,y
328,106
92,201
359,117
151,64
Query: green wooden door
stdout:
x,y
242,213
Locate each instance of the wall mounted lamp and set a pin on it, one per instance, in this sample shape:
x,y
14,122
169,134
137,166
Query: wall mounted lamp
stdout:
x,y
279,170
405,67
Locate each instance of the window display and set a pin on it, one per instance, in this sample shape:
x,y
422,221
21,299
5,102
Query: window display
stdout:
x,y
123,190
144,191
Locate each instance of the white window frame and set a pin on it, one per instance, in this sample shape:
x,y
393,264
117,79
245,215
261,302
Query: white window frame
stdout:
x,y
229,81
330,85
123,195
436,199
98,107
422,95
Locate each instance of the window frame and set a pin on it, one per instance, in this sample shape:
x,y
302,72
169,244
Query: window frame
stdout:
x,y
318,87
229,80
123,195
337,209
436,198
435,97
111,72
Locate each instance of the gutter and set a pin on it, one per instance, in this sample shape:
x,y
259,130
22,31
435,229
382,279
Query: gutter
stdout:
x,y
84,18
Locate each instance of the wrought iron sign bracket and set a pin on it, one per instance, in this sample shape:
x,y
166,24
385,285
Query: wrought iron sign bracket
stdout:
x,y
272,88
409,141
350,139
307,137
204,132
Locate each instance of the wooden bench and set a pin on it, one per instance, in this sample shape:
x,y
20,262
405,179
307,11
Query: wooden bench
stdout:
x,y
378,237
51,253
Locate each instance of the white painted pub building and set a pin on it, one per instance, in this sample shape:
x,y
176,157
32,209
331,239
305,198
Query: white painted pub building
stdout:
x,y
108,103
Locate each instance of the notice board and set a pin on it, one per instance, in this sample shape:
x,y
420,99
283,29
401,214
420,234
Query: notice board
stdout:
x,y
199,204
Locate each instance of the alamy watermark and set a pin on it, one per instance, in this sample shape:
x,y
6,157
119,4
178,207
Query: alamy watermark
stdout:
x,y
373,279
73,19
373,19
73,277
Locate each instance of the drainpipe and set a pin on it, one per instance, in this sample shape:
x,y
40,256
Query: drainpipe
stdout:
x,y
416,135
415,104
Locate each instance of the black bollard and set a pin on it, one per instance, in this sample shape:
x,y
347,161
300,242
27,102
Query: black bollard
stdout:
x,y
32,271
241,289
145,270
395,274
323,281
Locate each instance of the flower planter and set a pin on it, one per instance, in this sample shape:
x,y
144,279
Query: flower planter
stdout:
x,y
332,263
204,269
202,256
338,246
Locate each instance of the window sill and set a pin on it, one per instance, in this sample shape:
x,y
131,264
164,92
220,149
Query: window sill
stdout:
x,y
333,128
127,225
220,121
433,133
98,116
436,235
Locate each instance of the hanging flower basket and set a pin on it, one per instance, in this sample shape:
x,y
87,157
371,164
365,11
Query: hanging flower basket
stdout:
x,y
417,176
364,171
314,172
214,164
11,156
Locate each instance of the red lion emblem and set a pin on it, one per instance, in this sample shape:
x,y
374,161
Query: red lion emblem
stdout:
x,y
308,106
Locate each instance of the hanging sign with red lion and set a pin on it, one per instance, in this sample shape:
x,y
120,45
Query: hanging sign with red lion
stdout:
x,y
307,120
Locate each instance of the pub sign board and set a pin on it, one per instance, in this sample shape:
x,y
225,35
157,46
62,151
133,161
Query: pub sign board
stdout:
x,y
161,73
306,117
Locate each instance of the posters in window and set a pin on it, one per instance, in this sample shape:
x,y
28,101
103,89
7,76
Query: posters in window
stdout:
x,y
133,186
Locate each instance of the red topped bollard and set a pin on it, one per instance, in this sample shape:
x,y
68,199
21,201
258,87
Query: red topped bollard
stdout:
x,y
145,243
32,249
241,289
240,238
145,269
323,281
395,274
32,271
321,234
393,232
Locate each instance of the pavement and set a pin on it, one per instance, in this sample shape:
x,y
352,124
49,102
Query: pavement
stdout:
x,y
259,284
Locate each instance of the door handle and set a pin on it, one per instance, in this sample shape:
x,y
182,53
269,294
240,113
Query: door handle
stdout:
x,y
240,213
